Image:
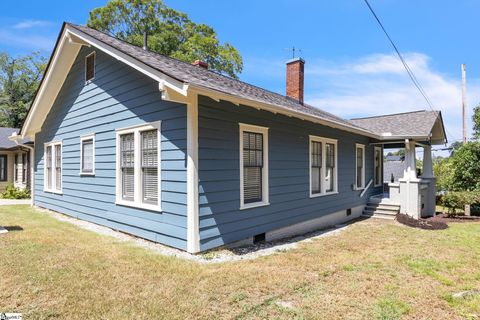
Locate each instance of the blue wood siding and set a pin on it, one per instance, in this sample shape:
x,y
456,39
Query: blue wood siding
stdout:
x,y
221,221
118,97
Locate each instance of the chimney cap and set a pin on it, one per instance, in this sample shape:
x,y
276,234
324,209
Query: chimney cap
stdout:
x,y
295,60
201,64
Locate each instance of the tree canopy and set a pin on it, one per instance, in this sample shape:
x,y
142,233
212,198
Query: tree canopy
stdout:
x,y
19,80
170,33
476,122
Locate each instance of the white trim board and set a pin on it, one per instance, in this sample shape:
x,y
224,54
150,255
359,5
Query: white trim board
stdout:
x,y
323,141
193,229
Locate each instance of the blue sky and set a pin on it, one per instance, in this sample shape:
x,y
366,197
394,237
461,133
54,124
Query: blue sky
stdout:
x,y
350,67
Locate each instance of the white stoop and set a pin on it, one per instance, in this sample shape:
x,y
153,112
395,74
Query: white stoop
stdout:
x,y
379,207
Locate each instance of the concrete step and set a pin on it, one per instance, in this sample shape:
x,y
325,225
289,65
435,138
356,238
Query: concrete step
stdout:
x,y
383,204
391,213
394,210
380,215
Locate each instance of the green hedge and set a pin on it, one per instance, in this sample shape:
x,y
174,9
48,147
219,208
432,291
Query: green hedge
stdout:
x,y
12,192
459,199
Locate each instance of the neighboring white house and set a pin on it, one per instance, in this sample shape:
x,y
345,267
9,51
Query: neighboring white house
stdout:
x,y
14,161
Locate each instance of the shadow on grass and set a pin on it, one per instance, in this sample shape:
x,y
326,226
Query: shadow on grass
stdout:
x,y
13,228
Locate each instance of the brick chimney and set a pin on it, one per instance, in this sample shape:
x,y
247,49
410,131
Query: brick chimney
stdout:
x,y
295,79
201,64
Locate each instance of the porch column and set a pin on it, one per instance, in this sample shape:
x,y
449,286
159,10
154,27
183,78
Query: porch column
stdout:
x,y
410,170
427,162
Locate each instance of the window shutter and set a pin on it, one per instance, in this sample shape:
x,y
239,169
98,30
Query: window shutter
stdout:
x,y
150,166
252,166
127,163
90,67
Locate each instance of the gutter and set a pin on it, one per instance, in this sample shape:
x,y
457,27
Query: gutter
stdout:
x,y
16,138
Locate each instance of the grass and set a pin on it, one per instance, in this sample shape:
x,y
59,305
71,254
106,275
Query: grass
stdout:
x,y
373,270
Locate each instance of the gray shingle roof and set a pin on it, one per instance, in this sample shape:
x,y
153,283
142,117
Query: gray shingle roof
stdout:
x,y
394,168
415,124
188,73
5,143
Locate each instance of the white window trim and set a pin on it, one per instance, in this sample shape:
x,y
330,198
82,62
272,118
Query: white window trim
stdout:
x,y
94,66
381,166
265,188
54,180
90,136
361,146
324,141
137,202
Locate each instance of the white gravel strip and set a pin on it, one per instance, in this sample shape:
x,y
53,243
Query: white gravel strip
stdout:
x,y
215,256
10,202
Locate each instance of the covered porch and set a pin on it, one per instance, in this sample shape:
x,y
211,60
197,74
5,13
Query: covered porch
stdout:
x,y
412,194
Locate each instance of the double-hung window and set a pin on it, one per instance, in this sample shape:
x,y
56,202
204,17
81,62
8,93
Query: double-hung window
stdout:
x,y
87,155
360,166
53,167
323,166
253,166
378,166
24,167
3,167
138,166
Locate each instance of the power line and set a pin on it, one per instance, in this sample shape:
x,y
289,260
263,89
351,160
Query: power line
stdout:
x,y
405,64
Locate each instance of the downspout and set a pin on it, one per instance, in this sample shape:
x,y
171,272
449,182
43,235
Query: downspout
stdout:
x,y
15,137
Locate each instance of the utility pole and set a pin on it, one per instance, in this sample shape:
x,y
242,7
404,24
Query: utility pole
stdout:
x,y
464,101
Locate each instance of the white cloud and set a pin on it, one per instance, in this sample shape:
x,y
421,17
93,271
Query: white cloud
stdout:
x,y
373,85
378,84
31,42
28,24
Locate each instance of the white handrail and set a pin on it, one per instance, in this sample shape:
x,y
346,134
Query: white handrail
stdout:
x,y
366,188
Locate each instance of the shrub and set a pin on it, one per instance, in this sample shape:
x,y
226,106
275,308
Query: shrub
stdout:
x,y
459,199
12,192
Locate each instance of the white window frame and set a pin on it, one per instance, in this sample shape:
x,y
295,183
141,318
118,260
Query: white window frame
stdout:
x,y
54,171
381,166
360,146
90,136
323,141
265,189
137,202
94,66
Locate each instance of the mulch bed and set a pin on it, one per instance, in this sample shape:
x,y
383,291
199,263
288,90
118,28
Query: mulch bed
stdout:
x,y
457,218
426,224
439,222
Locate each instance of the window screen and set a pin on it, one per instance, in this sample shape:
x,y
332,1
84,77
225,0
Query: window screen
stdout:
x,y
150,166
48,165
87,156
127,163
90,67
252,166
58,167
3,167
24,167
329,167
359,167
316,170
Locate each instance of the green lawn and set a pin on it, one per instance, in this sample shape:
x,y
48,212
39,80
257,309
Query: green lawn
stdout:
x,y
374,269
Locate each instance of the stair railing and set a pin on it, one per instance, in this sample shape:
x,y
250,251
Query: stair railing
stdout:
x,y
366,188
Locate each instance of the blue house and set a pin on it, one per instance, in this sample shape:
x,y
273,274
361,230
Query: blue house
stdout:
x,y
180,155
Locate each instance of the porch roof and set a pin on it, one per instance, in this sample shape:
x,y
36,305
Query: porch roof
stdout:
x,y
5,143
420,125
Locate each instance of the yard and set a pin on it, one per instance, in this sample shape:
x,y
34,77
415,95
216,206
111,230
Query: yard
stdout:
x,y
374,269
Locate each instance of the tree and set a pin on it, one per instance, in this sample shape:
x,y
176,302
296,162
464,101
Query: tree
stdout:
x,y
465,166
442,169
476,122
170,33
19,80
